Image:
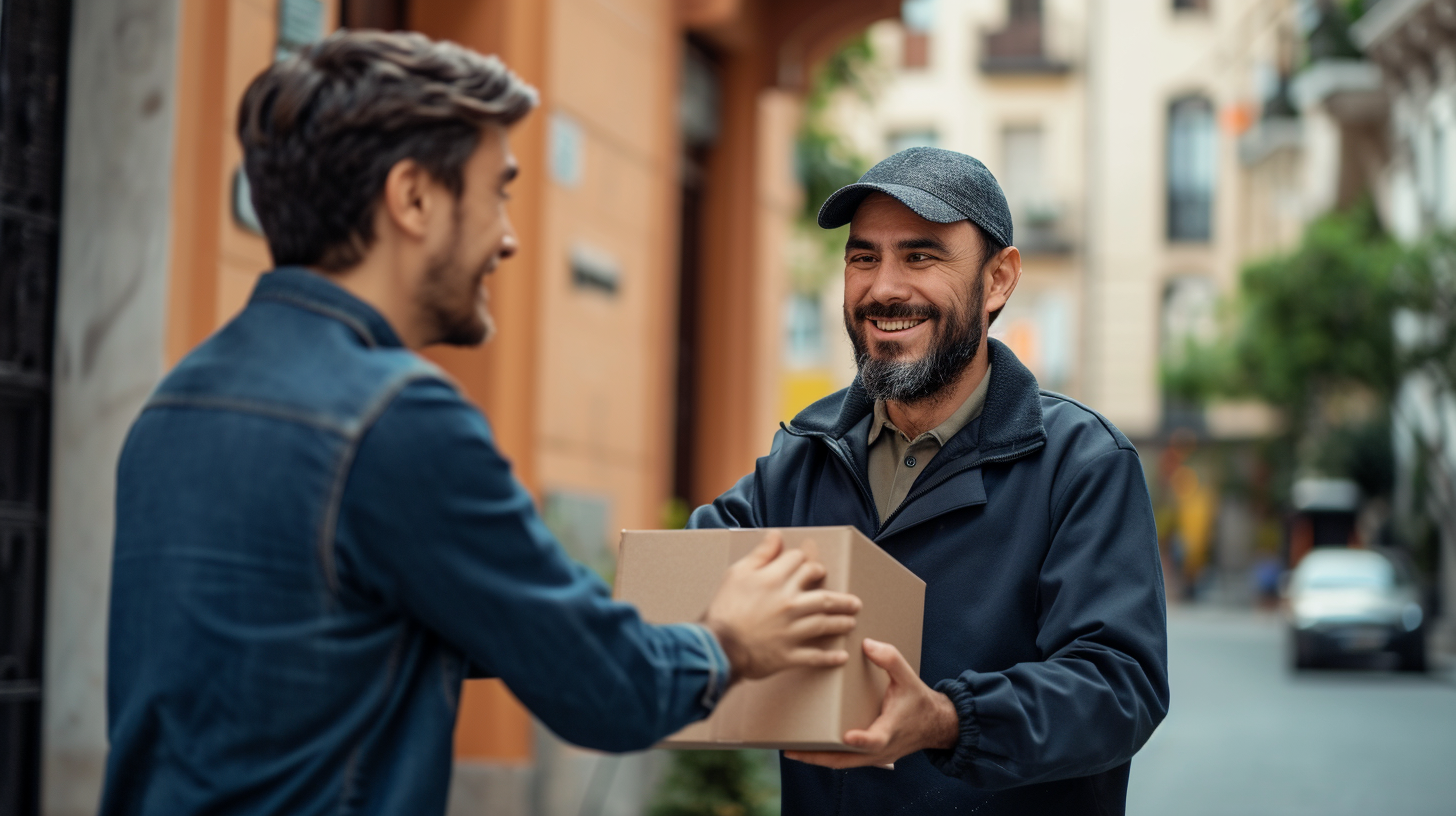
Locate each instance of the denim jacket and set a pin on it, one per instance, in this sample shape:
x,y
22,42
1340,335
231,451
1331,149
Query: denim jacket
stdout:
x,y
315,538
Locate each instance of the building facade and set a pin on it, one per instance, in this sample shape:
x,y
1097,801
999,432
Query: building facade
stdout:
x,y
1410,167
1172,85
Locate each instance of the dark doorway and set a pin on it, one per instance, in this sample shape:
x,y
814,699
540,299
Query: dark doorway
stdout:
x,y
34,39
698,111
389,15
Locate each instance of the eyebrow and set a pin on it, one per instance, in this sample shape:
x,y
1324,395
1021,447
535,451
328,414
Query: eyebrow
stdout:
x,y
923,242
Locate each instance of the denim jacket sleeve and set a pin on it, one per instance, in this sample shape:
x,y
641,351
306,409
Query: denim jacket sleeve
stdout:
x,y
433,522
1102,685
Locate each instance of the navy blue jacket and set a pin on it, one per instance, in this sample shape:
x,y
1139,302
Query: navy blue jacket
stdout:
x,y
315,536
1044,612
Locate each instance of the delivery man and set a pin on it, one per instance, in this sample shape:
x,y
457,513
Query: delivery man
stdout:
x,y
316,536
1044,660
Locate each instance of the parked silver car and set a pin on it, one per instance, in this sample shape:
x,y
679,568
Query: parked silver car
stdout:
x,y
1347,602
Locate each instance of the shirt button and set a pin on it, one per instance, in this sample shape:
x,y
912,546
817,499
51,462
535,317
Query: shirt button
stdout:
x,y
909,461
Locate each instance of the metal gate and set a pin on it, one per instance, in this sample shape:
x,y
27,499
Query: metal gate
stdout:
x,y
34,35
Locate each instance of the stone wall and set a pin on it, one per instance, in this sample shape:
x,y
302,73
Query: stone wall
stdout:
x,y
109,341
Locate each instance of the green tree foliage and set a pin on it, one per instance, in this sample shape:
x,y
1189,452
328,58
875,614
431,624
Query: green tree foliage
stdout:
x,y
718,783
1347,319
1306,325
1362,452
825,160
1330,36
1309,332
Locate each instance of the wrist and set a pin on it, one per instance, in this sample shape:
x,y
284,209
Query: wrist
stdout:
x,y
732,649
945,721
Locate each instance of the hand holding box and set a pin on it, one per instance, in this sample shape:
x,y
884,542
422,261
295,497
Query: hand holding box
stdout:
x,y
672,575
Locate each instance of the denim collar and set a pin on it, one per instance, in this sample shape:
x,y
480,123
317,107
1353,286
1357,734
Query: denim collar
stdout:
x,y
301,287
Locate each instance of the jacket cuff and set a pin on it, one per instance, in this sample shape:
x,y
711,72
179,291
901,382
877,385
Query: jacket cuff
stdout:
x,y
719,669
957,761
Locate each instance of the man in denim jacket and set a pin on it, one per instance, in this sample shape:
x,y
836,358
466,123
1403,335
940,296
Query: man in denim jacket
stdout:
x,y
316,537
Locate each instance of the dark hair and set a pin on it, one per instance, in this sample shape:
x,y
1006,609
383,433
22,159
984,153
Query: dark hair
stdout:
x,y
321,130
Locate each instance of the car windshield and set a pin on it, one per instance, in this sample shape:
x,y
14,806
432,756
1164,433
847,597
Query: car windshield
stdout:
x,y
1345,570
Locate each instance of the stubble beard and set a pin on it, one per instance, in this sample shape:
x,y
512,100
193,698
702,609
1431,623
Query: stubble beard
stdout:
x,y
454,312
928,378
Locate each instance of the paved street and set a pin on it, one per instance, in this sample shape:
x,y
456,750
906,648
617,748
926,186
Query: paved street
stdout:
x,y
1247,736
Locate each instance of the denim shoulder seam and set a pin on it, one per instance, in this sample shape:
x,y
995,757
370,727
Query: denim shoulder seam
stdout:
x,y
340,315
329,523
311,418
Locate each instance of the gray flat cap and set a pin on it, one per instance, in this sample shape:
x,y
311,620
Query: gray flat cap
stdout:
x,y
939,185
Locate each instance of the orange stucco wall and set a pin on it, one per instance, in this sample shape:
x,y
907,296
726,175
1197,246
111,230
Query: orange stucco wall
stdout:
x,y
215,262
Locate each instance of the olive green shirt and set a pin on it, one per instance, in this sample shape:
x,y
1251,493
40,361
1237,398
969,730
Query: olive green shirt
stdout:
x,y
895,459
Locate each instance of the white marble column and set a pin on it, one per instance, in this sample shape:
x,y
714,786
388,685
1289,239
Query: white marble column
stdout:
x,y
109,352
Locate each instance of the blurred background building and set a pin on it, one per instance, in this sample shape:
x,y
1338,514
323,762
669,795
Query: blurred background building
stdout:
x,y
671,303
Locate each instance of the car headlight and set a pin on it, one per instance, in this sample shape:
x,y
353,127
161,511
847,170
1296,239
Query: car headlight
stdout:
x,y
1411,617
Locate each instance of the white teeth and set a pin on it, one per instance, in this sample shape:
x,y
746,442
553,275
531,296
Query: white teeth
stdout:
x,y
897,325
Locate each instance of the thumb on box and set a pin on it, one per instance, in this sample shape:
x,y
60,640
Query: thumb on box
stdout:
x,y
887,657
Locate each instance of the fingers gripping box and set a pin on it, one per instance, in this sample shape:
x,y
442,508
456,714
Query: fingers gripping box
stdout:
x,y
671,575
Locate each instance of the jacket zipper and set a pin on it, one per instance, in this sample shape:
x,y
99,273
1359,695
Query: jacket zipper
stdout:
x,y
844,458
833,444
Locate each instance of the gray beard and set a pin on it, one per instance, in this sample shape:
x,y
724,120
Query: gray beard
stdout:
x,y
928,379
917,381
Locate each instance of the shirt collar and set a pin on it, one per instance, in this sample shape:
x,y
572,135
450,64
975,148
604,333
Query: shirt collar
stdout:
x,y
306,289
968,410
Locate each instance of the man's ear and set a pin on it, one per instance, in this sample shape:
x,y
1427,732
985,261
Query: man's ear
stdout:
x,y
407,201
1002,272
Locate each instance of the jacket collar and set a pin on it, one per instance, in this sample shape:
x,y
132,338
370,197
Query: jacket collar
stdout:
x,y
301,287
1010,422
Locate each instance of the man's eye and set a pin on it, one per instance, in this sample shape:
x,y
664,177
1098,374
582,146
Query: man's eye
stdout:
x,y
862,259
918,257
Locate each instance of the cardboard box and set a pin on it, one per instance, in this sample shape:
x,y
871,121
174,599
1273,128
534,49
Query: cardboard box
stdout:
x,y
671,575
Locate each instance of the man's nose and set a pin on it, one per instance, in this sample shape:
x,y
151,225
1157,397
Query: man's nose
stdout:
x,y
891,284
509,244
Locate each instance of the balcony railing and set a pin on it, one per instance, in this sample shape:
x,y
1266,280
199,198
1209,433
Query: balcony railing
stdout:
x,y
1043,229
1019,48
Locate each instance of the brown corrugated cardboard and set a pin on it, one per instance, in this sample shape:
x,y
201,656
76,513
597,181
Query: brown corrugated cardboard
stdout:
x,y
671,575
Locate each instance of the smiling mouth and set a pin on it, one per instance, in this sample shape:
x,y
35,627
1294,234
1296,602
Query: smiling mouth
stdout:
x,y
898,325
